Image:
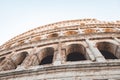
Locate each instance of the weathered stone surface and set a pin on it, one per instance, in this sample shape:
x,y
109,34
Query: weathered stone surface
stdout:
x,y
53,35
43,53
18,58
30,60
69,33
7,64
35,39
88,31
1,59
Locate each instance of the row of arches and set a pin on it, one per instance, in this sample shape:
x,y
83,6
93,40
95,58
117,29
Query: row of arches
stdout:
x,y
77,52
73,52
45,56
84,31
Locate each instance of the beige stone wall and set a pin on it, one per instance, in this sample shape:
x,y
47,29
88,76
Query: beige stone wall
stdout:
x,y
23,57
80,71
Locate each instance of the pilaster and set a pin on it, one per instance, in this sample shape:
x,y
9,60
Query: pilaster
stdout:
x,y
58,55
92,57
99,57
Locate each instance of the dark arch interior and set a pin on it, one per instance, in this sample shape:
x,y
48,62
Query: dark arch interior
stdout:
x,y
75,56
47,60
23,56
2,58
108,55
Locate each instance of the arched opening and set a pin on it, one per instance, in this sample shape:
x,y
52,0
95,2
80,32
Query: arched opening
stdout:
x,y
47,60
75,56
53,35
89,31
108,50
109,30
1,59
76,52
18,58
108,55
37,38
70,33
13,61
46,55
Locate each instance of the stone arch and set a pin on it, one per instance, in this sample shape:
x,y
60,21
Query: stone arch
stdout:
x,y
13,61
45,55
53,35
109,30
18,58
89,31
36,38
71,32
76,52
108,50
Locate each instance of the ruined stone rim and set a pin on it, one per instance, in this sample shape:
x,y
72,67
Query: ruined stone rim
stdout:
x,y
81,23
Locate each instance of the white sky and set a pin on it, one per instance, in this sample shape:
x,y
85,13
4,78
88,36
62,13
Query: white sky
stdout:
x,y
18,16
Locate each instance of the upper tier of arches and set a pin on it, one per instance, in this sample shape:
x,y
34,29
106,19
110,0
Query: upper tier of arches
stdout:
x,y
63,28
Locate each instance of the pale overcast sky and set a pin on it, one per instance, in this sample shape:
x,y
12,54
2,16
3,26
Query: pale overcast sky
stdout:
x,y
18,16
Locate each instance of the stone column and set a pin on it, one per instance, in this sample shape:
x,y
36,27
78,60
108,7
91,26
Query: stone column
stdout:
x,y
90,54
117,51
61,33
99,57
79,31
63,53
31,60
58,55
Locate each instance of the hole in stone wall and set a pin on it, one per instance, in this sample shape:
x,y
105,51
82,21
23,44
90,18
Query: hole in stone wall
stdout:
x,y
1,59
108,50
53,35
47,60
23,56
108,55
75,56
69,33
76,52
46,55
88,31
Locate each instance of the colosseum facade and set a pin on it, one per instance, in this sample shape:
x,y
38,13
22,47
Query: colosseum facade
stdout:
x,y
84,49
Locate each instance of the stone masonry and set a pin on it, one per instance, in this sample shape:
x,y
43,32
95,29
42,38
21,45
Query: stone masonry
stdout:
x,y
85,49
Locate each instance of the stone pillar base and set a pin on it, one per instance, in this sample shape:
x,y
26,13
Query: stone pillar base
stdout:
x,y
20,67
57,63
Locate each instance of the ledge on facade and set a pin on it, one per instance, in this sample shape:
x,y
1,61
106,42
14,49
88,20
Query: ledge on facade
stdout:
x,y
68,66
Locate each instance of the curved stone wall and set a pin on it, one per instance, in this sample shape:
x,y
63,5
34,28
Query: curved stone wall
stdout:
x,y
63,47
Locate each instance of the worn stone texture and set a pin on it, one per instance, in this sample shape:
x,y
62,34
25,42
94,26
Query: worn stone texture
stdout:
x,y
42,53
30,60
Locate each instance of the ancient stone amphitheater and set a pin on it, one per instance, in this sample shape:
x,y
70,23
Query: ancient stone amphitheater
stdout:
x,y
85,49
